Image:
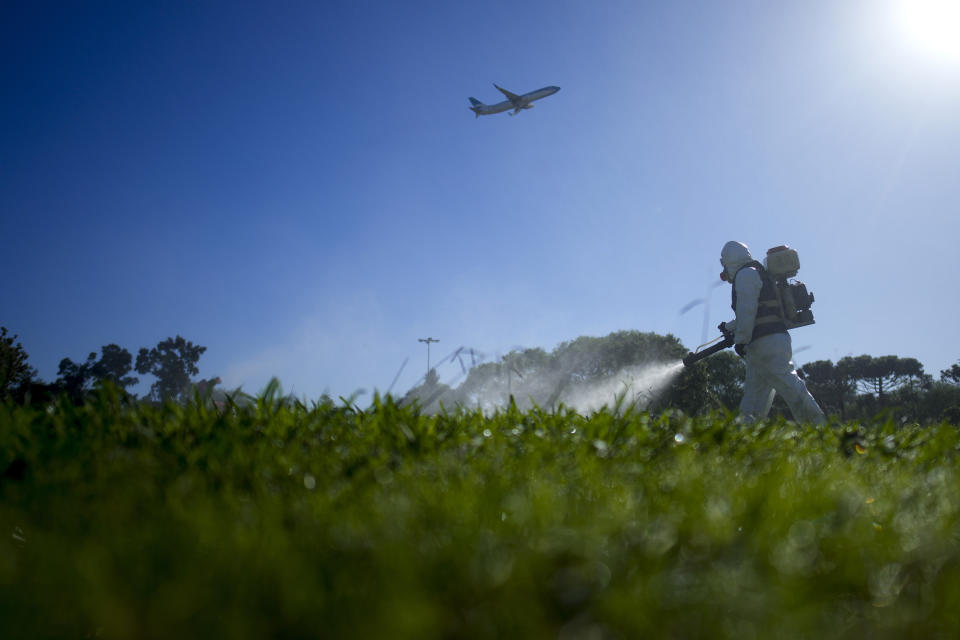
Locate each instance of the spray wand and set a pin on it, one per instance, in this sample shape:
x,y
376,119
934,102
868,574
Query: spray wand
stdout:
x,y
719,343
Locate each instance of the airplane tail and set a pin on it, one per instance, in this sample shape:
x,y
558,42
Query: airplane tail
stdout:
x,y
477,105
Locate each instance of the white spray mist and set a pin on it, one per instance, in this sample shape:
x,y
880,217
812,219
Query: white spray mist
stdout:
x,y
637,386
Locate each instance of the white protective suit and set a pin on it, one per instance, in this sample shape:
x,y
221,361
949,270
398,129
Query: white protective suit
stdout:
x,y
769,358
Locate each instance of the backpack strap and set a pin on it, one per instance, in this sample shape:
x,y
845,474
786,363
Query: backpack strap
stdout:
x,y
769,312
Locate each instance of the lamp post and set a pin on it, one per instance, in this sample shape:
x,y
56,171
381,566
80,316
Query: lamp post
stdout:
x,y
428,341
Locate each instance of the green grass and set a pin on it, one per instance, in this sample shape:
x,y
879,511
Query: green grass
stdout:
x,y
286,521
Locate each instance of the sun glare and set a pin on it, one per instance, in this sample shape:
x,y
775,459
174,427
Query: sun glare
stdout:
x,y
932,26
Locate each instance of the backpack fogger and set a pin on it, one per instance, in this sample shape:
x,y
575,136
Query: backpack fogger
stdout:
x,y
781,266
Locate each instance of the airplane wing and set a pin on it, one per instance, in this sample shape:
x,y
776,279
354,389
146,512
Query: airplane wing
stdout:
x,y
512,97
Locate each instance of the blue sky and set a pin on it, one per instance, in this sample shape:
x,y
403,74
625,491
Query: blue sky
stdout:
x,y
302,189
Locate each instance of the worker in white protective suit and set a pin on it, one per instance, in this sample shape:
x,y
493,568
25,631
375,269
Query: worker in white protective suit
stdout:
x,y
760,337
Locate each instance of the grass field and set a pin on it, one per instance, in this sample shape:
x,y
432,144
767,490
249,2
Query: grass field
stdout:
x,y
282,521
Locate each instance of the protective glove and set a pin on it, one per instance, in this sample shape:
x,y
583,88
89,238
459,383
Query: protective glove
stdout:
x,y
727,328
741,350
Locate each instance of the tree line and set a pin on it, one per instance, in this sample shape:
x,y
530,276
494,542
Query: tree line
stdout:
x,y
863,386
853,388
171,362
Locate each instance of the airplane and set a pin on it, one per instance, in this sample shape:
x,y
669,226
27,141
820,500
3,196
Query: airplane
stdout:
x,y
513,101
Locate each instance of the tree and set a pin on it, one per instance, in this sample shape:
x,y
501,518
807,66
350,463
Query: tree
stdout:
x,y
526,375
725,377
428,395
114,365
884,374
15,373
951,375
75,379
942,400
832,385
595,367
605,367
589,358
172,362
714,383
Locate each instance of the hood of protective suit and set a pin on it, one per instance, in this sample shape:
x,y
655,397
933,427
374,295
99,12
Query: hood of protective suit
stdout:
x,y
733,256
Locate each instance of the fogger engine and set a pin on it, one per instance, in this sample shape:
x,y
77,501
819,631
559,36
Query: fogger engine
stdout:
x,y
781,264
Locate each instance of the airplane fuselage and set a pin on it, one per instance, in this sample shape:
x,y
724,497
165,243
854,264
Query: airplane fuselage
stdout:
x,y
514,101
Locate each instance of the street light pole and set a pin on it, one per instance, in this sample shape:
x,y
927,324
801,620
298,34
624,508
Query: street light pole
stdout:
x,y
428,341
